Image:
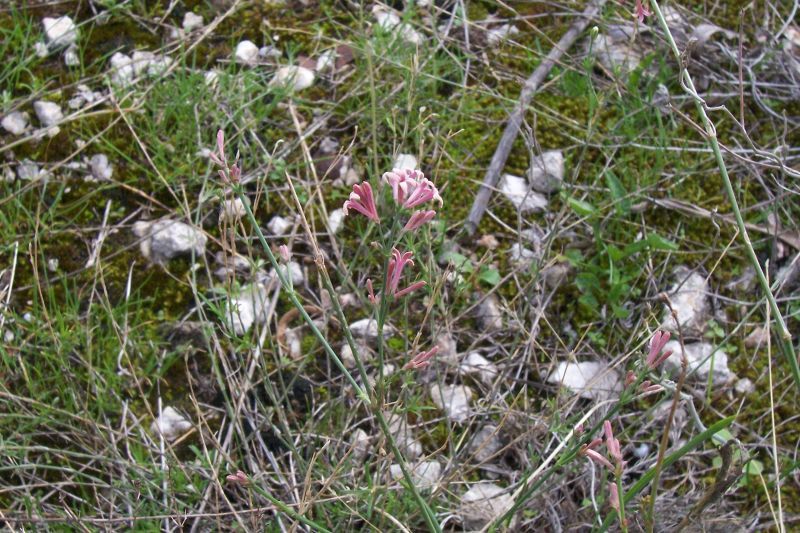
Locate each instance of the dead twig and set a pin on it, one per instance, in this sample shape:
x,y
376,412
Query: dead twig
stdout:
x,y
515,119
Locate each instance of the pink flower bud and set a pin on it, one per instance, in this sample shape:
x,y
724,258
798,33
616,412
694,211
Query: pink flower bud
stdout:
x,y
363,201
613,496
421,360
239,478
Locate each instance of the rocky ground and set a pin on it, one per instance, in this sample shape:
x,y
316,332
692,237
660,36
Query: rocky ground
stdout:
x,y
159,370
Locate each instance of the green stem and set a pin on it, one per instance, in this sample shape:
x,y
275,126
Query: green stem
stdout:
x,y
711,137
290,292
285,509
428,514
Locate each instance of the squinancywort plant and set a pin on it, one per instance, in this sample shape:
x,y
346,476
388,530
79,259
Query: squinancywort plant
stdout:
x,y
410,189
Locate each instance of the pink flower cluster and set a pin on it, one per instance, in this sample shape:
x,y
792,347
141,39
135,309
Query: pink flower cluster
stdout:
x,y
410,189
612,445
228,174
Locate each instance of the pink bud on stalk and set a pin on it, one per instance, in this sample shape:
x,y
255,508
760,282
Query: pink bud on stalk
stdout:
x,y
612,444
648,387
371,293
284,251
421,360
418,218
227,174
363,201
657,343
396,265
239,478
588,450
641,11
613,496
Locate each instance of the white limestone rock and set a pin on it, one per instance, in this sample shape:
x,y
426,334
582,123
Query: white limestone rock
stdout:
x,y
448,349
405,162
40,49
28,170
475,364
294,77
408,445
690,302
489,314
170,424
521,255
616,51
389,20
100,167
279,225
121,70
246,53
48,113
59,32
165,239
425,474
482,503
453,400
71,58
701,362
231,210
246,309
148,63
15,123
368,328
485,445
519,193
546,173
335,220
744,387
589,379
360,443
326,60
191,21
293,271
497,35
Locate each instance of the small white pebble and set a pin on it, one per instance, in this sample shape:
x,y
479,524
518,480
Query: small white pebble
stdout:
x,y
192,21
15,123
246,53
60,31
48,113
71,58
40,49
